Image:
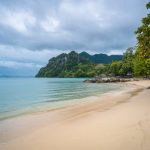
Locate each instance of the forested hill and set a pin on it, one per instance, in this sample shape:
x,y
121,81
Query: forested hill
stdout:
x,y
75,65
101,58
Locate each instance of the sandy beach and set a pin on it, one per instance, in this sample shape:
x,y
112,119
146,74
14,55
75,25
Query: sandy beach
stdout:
x,y
119,121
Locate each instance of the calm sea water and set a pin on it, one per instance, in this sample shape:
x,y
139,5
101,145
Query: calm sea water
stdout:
x,y
24,95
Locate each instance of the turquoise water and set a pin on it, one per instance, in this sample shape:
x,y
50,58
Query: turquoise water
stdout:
x,y
23,95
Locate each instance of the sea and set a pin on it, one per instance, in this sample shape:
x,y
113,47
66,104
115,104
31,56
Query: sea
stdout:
x,y
20,96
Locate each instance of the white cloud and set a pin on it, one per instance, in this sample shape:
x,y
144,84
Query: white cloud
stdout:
x,y
21,21
50,24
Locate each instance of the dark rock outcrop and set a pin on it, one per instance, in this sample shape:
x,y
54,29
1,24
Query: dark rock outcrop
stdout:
x,y
107,80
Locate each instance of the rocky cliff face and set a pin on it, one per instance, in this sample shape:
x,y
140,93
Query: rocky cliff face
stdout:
x,y
63,65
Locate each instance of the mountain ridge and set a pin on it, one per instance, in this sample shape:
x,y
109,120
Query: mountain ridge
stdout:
x,y
101,58
75,64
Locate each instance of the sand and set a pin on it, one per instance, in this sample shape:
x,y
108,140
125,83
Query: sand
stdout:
x,y
115,122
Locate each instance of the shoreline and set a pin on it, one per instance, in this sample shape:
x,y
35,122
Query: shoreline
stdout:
x,y
55,105
79,123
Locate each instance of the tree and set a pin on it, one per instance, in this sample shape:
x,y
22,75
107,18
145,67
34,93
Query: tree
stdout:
x,y
142,55
115,67
122,68
128,58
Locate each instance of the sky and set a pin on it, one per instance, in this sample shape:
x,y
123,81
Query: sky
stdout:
x,y
33,31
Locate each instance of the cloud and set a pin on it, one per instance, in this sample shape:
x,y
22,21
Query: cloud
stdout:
x,y
19,20
71,24
15,65
50,24
26,55
33,30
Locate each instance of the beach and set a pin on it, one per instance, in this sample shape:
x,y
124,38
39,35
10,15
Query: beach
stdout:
x,y
118,121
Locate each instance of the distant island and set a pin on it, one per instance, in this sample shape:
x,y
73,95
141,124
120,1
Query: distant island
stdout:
x,y
83,64
76,64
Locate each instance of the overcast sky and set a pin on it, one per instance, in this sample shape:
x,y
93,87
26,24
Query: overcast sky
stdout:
x,y
32,31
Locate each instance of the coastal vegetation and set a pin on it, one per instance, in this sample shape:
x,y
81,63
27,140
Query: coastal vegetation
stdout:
x,y
134,62
77,65
84,65
142,55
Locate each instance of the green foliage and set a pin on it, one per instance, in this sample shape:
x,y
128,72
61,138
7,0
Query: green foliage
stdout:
x,y
76,65
148,5
139,67
101,58
73,65
101,69
142,56
115,67
122,68
128,58
67,65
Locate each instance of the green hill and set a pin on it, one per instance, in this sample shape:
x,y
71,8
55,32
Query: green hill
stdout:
x,y
101,58
74,65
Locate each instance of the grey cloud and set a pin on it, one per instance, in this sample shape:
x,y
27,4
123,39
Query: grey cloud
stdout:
x,y
98,24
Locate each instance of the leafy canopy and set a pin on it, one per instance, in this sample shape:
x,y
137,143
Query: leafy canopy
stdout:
x,y
142,55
